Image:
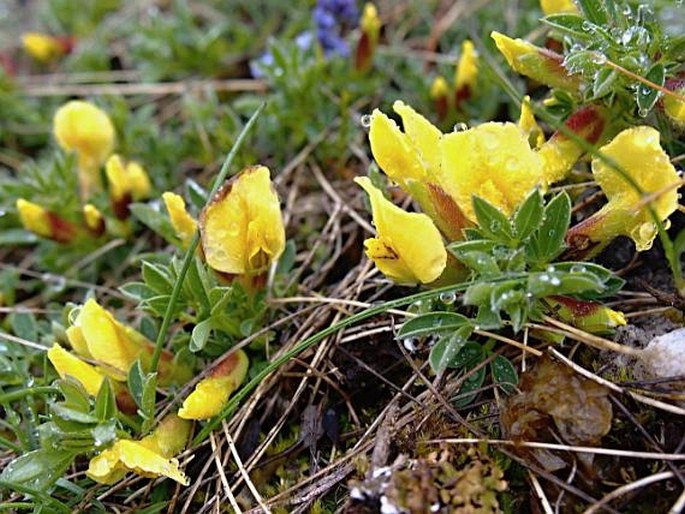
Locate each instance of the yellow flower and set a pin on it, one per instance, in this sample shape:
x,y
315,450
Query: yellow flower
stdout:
x,y
467,72
183,223
674,106
370,26
45,223
492,161
95,223
242,227
211,394
529,125
149,457
408,248
638,153
43,47
589,316
126,183
97,335
540,64
558,6
85,129
67,364
439,88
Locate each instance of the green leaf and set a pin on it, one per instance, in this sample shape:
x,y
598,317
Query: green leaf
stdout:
x,y
604,81
492,222
196,193
482,263
478,245
137,291
148,401
504,373
155,220
157,278
646,96
432,324
105,402
472,383
595,11
528,216
447,348
75,396
136,382
70,414
38,469
571,24
24,325
469,356
548,241
17,236
200,335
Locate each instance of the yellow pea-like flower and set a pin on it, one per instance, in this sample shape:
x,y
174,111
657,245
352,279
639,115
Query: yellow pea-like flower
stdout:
x,y
540,64
638,152
149,457
183,223
43,47
95,222
45,223
558,6
370,27
466,73
590,316
67,364
211,394
127,182
408,248
242,227
83,128
493,161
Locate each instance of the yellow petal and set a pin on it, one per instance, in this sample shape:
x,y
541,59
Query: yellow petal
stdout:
x,y
138,180
170,436
211,394
558,6
106,339
467,67
93,218
638,152
492,161
369,23
675,108
78,342
408,247
439,88
67,364
117,178
34,218
42,47
242,227
124,456
424,136
85,129
529,125
394,152
183,223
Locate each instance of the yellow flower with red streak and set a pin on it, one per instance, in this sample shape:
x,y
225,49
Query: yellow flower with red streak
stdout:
x,y
211,394
540,64
183,223
408,248
127,182
45,223
370,28
152,456
638,153
83,128
97,335
44,47
241,228
466,74
95,222
529,125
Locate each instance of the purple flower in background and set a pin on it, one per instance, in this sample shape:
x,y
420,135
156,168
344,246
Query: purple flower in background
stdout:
x,y
330,16
303,41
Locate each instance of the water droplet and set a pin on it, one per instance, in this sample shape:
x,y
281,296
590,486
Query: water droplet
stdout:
x,y
366,120
642,112
233,229
448,297
544,277
599,58
555,281
512,164
578,268
550,269
2,212
460,127
495,226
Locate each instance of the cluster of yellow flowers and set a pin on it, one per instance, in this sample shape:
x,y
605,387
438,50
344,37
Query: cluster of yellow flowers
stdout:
x,y
495,161
465,77
86,130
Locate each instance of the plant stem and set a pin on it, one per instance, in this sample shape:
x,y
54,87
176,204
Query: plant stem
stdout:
x,y
29,391
190,251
